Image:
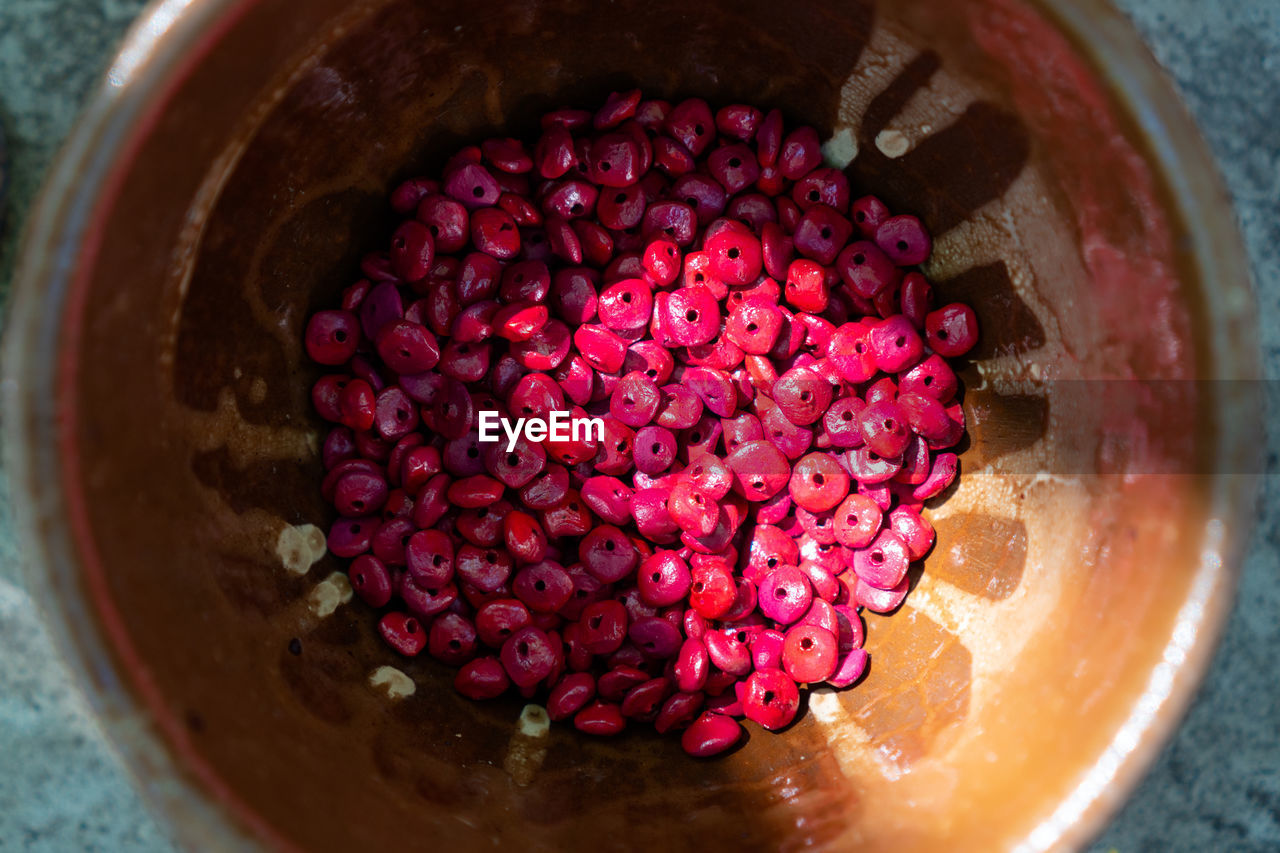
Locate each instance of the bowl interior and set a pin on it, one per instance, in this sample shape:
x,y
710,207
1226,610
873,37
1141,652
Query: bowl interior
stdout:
x,y
191,462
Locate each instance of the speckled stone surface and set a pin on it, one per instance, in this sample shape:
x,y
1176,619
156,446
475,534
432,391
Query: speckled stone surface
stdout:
x,y
1217,785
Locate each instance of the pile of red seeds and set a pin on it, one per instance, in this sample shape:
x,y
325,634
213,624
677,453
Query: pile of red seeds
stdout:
x,y
773,380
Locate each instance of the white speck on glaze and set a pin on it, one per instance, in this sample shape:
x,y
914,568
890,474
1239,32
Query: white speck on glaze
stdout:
x,y
329,594
841,149
393,682
528,747
892,143
300,546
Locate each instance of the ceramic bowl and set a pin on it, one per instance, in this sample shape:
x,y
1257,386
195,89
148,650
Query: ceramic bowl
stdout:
x,y
223,184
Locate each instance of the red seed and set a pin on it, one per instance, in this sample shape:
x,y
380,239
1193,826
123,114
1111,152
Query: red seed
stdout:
x,y
498,619
710,734
406,197
404,633
554,153
427,602
770,698
603,719
769,137
896,344
916,533
880,600
482,678
904,240
332,337
943,472
735,258
818,483
754,325
487,569
809,653
452,639
692,124
821,233
760,470
952,330
620,679
678,711
479,490
370,580
656,637
644,701
692,316
412,251
527,656
713,590
544,587
570,695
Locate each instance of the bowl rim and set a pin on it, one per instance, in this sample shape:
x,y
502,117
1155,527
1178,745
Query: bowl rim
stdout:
x,y
163,43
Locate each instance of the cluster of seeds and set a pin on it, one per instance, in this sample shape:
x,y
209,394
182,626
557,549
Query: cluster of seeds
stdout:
x,y
772,377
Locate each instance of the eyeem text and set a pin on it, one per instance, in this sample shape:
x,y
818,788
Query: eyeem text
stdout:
x,y
560,426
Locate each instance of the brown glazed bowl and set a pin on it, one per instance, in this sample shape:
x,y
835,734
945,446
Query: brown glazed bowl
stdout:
x,y
226,179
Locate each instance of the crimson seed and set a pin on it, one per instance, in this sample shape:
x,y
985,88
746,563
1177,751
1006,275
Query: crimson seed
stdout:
x,y
692,316
403,633
744,601
412,251
370,580
710,734
809,653
644,701
427,602
452,639
880,600
544,587
498,619
818,483
655,637
332,337
916,533
952,330
770,698
678,711
570,694
691,666
482,678
600,718
527,656
664,579
351,537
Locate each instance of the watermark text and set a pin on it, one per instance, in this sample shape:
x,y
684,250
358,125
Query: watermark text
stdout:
x,y
558,426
